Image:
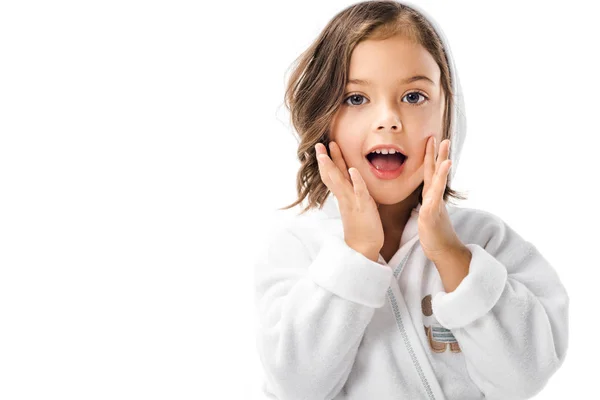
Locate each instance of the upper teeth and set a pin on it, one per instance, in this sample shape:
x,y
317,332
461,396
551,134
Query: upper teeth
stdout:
x,y
384,151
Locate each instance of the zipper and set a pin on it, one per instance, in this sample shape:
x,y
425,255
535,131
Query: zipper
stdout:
x,y
400,324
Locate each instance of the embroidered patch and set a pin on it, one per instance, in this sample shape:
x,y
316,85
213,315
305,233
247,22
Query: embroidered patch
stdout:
x,y
438,337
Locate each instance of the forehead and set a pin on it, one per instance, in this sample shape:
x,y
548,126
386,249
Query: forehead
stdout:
x,y
393,58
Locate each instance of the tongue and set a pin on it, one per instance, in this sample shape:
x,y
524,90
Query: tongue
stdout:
x,y
387,162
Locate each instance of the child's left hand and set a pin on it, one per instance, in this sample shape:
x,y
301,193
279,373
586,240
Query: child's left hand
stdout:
x,y
436,233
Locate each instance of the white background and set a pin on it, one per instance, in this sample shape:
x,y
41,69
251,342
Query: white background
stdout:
x,y
145,148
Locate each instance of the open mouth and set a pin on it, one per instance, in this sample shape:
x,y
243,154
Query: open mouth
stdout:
x,y
386,162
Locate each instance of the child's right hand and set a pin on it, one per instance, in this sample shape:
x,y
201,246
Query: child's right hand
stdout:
x,y
363,230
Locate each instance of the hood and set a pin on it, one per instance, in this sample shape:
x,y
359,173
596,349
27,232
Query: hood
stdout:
x,y
458,127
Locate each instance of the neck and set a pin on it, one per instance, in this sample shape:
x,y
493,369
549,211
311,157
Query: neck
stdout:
x,y
395,216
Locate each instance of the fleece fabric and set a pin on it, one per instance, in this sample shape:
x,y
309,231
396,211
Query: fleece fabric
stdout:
x,y
333,324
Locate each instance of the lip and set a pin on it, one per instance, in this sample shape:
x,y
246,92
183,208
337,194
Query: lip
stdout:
x,y
386,175
386,146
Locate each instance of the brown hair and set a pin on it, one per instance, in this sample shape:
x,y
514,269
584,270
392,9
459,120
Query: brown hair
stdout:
x,y
315,89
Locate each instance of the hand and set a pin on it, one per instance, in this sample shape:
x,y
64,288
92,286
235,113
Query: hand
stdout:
x,y
363,230
436,233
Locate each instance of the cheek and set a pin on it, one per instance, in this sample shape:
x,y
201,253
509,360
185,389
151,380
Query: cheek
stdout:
x,y
416,163
351,153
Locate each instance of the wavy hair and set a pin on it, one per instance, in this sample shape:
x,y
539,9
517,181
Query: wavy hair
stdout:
x,y
315,88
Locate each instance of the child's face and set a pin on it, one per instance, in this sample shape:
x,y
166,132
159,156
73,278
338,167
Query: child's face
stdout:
x,y
389,112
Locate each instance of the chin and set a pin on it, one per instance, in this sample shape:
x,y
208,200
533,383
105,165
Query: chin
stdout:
x,y
394,193
389,198
389,192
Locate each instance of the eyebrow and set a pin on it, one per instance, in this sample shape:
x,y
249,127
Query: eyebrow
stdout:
x,y
403,82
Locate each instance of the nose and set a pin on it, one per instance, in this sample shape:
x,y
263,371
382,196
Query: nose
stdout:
x,y
390,120
393,127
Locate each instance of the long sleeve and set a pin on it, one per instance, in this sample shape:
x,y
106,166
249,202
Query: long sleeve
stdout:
x,y
509,315
312,313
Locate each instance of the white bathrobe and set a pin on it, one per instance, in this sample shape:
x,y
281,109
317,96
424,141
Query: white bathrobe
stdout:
x,y
333,324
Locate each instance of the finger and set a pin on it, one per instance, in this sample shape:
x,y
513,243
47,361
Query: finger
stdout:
x,y
343,185
429,167
360,187
442,153
340,187
338,159
319,150
440,181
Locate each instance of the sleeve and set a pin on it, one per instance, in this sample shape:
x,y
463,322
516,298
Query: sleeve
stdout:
x,y
509,316
312,313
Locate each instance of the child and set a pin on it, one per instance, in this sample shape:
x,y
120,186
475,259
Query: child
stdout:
x,y
380,289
